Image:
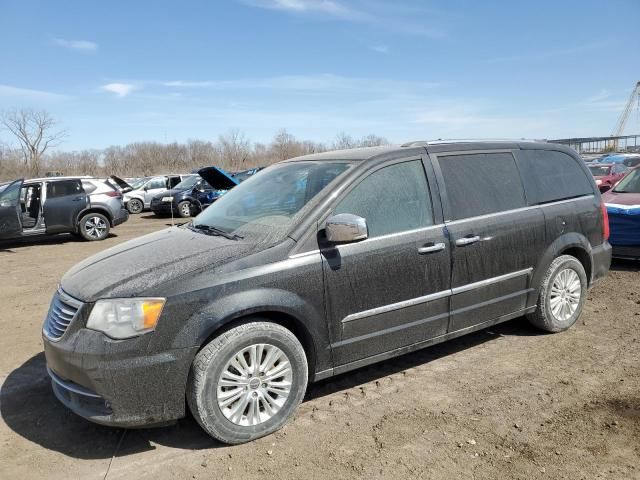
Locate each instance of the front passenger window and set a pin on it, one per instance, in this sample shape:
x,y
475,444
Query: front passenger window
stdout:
x,y
393,199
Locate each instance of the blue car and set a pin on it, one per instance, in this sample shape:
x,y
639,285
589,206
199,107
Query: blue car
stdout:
x,y
194,193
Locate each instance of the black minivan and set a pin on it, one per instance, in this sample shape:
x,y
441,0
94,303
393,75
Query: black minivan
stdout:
x,y
319,265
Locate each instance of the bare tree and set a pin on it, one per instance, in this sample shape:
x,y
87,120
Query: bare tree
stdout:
x,y
235,150
36,132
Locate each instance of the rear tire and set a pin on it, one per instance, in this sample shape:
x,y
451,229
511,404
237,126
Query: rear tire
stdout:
x,y
135,206
93,227
247,382
563,292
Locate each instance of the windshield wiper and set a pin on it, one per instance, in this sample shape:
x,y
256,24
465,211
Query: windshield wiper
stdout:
x,y
208,229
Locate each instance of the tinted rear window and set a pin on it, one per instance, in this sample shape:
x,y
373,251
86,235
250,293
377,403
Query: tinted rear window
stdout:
x,y
481,183
64,188
549,176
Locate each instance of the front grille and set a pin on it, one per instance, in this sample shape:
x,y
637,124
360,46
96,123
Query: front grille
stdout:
x,y
62,311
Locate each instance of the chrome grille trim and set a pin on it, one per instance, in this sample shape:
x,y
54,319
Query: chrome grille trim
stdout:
x,y
62,311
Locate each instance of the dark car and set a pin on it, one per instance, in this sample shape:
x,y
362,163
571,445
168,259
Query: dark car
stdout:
x,y
194,193
607,174
85,206
623,205
319,265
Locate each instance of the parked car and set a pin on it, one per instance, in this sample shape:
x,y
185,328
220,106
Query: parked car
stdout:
x,y
194,194
138,199
319,265
628,159
85,206
623,206
607,174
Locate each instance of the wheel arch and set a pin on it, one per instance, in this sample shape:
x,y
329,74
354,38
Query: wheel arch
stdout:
x,y
272,305
100,210
572,243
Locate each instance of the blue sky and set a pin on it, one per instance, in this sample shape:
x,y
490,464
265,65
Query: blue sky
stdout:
x,y
116,72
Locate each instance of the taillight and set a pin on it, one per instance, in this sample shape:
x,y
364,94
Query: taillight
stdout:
x,y
605,221
114,194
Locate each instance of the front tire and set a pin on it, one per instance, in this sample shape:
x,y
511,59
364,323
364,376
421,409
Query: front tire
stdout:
x,y
247,382
93,227
135,206
184,209
563,292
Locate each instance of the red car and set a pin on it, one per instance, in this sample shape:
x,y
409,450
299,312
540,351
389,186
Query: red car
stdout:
x,y
607,174
623,207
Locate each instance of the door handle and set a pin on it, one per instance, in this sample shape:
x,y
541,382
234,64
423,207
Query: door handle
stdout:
x,y
430,248
464,241
77,199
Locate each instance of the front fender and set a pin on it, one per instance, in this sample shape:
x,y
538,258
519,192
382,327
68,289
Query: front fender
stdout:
x,y
271,302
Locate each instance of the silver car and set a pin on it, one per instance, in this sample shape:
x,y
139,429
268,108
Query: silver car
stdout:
x,y
139,199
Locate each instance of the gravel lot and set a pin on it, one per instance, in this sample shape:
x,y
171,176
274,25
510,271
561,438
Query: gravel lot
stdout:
x,y
504,403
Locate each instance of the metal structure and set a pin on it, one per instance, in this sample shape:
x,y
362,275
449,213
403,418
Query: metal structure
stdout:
x,y
620,143
626,113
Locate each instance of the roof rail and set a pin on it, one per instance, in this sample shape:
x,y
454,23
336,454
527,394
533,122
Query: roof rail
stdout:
x,y
424,143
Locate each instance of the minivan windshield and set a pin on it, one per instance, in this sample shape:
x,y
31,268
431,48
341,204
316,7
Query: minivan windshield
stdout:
x,y
268,203
630,183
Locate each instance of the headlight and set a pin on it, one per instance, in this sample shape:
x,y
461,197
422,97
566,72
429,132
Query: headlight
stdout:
x,y
598,182
125,317
167,199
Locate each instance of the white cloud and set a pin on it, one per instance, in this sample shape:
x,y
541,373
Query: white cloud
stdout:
x,y
120,89
327,7
11,92
380,48
79,45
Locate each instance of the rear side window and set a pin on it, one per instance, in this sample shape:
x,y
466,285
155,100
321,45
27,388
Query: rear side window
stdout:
x,y
89,187
173,181
550,176
155,183
393,199
481,183
64,188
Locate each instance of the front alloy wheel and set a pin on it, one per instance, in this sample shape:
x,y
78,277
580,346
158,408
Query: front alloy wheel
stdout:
x,y
247,382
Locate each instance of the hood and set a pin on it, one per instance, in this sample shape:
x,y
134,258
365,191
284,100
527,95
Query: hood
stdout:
x,y
621,198
136,267
124,186
218,178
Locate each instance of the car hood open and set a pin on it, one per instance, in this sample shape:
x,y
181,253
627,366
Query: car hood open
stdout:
x,y
136,267
218,178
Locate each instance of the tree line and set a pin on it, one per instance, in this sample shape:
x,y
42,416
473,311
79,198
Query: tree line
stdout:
x,y
33,137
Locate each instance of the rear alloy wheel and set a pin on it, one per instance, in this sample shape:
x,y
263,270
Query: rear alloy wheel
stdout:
x,y
562,295
134,206
94,226
247,382
184,209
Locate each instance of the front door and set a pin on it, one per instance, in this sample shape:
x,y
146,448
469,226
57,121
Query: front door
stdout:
x,y
64,201
10,226
392,289
496,239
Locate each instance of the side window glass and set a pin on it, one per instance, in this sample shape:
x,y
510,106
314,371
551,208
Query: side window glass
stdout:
x,y
89,187
549,176
64,188
173,181
393,199
481,183
9,196
156,183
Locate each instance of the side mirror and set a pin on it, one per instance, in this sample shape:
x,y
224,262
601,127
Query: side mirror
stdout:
x,y
346,227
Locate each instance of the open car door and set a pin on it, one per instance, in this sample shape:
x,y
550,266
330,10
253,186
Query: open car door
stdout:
x,y
10,210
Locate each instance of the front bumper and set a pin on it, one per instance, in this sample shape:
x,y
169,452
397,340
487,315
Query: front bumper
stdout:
x,y
158,206
116,382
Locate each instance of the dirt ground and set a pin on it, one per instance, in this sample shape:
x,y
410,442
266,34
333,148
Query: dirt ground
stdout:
x,y
507,402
